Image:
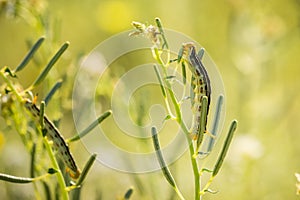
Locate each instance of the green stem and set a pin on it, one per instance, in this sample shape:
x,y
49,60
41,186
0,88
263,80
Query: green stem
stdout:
x,y
50,152
193,161
59,175
163,92
187,134
182,125
185,130
168,85
206,187
191,147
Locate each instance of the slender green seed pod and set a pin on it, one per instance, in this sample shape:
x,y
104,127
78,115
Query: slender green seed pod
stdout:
x,y
215,123
52,91
15,179
91,126
161,160
30,54
160,28
227,142
49,66
86,169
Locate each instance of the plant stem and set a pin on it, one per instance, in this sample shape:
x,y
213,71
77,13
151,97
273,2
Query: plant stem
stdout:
x,y
59,175
185,130
190,142
193,161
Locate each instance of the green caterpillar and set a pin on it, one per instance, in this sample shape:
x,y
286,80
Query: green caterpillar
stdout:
x,y
200,84
58,141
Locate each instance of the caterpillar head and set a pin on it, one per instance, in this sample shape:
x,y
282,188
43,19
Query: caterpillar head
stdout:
x,y
73,174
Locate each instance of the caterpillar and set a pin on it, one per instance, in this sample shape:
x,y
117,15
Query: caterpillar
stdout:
x,y
59,143
200,85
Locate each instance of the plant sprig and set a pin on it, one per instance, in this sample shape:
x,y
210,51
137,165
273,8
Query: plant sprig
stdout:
x,y
169,96
19,99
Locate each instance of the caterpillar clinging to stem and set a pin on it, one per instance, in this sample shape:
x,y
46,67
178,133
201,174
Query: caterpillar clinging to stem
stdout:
x,y
201,87
59,143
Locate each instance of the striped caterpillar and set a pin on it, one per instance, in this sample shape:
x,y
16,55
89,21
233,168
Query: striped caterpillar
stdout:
x,y
59,143
200,84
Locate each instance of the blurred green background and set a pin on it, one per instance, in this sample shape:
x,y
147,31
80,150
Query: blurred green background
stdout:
x,y
256,46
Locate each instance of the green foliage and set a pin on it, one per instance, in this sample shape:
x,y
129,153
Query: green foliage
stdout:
x,y
156,35
24,122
